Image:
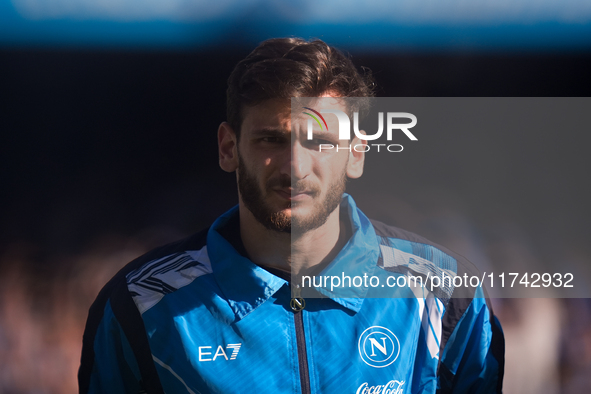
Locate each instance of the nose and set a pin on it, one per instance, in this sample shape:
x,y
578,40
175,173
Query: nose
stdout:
x,y
299,164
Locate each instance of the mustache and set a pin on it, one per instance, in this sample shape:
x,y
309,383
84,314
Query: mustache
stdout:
x,y
300,186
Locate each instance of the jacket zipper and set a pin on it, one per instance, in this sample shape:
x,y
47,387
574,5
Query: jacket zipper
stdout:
x,y
297,305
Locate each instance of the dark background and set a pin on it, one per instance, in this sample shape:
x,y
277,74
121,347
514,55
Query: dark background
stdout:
x,y
97,142
106,153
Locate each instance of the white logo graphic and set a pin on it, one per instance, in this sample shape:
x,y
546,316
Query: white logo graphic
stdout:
x,y
392,387
345,125
378,347
204,353
344,129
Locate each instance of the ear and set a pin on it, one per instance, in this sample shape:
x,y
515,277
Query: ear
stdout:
x,y
356,157
227,147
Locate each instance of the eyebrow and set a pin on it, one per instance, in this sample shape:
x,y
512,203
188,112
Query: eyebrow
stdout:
x,y
271,131
281,133
324,135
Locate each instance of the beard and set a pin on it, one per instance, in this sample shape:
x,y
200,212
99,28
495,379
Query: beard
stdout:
x,y
278,220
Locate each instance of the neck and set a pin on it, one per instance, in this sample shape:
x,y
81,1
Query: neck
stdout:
x,y
300,254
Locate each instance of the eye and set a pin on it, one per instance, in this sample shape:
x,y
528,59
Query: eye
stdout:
x,y
272,140
315,142
319,141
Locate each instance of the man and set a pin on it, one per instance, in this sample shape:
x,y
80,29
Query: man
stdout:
x,y
215,312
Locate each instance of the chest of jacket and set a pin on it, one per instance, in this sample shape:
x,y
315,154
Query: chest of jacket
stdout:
x,y
200,345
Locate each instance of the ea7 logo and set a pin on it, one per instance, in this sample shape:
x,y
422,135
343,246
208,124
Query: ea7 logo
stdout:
x,y
205,352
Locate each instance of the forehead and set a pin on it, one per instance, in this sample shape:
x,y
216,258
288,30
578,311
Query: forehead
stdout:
x,y
281,113
273,113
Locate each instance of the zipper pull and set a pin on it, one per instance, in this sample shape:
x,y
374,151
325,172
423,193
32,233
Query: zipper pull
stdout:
x,y
297,302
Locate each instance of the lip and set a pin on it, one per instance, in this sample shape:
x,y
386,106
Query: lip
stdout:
x,y
287,194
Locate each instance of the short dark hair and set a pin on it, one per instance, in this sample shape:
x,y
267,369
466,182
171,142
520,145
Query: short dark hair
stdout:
x,y
292,67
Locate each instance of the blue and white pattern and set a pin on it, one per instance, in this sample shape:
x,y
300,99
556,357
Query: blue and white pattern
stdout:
x,y
150,283
422,259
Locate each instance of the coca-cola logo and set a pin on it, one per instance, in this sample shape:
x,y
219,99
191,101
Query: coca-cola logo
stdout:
x,y
392,387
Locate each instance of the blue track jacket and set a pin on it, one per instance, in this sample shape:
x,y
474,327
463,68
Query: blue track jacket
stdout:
x,y
197,316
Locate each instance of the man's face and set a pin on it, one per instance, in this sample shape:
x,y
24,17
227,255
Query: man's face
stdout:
x,y
284,179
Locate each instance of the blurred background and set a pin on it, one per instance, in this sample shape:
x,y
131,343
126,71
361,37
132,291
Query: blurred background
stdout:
x,y
108,119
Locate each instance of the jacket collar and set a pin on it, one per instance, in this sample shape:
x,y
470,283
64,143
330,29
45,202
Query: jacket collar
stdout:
x,y
246,285
358,258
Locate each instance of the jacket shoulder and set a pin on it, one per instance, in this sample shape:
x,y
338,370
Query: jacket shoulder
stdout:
x,y
116,293
462,308
463,265
193,242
